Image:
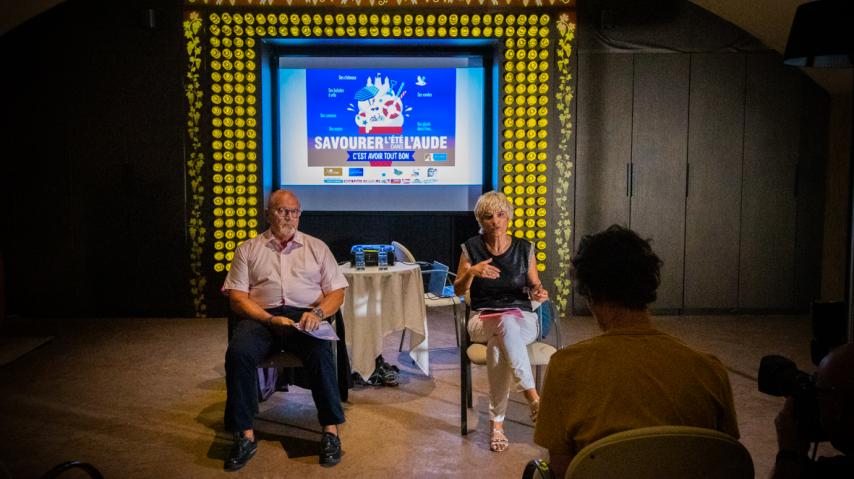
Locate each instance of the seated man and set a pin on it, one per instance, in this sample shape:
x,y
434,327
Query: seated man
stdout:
x,y
835,391
281,280
631,376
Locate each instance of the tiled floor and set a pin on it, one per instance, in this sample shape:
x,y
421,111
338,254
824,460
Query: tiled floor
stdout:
x,y
144,398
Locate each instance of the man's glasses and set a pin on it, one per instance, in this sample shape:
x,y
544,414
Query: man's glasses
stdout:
x,y
293,212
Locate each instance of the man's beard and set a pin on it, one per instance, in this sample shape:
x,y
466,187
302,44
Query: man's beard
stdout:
x,y
287,230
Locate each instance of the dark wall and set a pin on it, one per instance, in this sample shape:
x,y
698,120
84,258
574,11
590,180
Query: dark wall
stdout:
x,y
93,176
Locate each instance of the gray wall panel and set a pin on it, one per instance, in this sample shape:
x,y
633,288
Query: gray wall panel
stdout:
x,y
604,144
715,133
659,154
772,106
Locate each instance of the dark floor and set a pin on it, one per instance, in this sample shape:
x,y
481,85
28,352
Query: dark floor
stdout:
x,y
144,398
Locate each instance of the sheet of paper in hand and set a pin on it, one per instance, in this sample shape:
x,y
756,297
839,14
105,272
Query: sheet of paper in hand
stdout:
x,y
324,331
496,314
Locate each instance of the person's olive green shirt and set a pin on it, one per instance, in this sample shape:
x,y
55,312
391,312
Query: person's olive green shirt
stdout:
x,y
627,379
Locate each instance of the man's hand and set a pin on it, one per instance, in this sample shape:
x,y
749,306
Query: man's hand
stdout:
x,y
281,322
309,321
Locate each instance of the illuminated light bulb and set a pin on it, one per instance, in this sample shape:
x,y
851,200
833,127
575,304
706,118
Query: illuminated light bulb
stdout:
x,y
542,189
508,168
521,31
499,31
519,234
295,19
363,19
519,156
487,31
519,167
510,31
431,31
518,222
442,31
507,190
419,19
520,190
385,31
374,19
542,167
351,19
294,31
407,19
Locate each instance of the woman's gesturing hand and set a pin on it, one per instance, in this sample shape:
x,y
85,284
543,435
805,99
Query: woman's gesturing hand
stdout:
x,y
485,270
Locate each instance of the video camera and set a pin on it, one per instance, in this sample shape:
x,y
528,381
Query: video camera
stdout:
x,y
780,376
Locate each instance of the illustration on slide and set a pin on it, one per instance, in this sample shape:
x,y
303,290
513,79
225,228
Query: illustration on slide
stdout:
x,y
380,106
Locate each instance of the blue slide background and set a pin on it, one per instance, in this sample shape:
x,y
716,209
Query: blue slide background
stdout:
x,y
439,110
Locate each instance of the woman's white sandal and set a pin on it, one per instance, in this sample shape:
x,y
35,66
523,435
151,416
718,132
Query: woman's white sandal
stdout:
x,y
535,410
498,441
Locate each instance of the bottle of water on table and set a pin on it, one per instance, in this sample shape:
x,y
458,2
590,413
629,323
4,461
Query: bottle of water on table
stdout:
x,y
382,259
360,259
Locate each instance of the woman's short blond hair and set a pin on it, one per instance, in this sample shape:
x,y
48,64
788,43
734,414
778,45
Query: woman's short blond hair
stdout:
x,y
490,202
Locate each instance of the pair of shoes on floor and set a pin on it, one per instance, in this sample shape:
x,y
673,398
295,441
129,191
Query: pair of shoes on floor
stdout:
x,y
384,374
241,452
330,449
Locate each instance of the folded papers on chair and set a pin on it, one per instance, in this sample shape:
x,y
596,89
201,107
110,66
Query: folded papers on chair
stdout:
x,y
323,331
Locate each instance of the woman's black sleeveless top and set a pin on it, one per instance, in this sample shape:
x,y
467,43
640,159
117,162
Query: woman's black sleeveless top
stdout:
x,y
507,291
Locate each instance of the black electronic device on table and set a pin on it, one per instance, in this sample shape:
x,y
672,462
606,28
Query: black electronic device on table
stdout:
x,y
372,253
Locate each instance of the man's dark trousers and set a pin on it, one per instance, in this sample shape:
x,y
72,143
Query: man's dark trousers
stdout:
x,y
251,342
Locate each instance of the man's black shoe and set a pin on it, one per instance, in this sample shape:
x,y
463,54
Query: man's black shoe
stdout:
x,y
241,452
330,449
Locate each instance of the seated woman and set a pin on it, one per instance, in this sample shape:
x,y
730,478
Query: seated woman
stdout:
x,y
501,272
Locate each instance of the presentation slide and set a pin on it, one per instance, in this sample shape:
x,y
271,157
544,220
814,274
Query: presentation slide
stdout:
x,y
381,123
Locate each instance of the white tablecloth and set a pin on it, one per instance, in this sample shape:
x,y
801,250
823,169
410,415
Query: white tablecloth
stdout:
x,y
378,303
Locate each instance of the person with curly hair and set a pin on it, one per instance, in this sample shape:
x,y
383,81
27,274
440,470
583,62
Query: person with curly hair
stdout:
x,y
633,375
